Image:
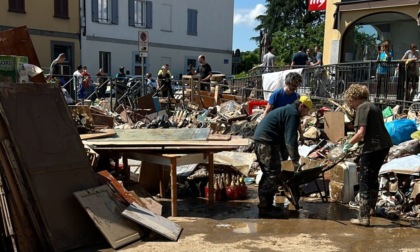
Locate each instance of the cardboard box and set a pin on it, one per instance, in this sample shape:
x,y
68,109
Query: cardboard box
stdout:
x,y
12,70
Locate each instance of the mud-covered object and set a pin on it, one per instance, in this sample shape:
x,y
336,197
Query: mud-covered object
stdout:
x,y
410,147
161,121
243,128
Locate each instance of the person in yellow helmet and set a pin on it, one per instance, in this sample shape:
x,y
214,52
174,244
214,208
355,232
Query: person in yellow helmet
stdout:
x,y
276,138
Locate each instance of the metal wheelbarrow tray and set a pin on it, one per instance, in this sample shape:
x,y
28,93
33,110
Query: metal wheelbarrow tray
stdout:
x,y
292,180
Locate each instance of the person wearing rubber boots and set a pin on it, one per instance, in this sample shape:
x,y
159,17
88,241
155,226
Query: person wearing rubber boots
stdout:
x,y
371,131
277,133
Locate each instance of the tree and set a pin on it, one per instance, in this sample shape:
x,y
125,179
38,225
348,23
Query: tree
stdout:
x,y
248,60
290,24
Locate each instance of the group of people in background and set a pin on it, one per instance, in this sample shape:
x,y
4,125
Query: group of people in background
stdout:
x,y
87,87
299,59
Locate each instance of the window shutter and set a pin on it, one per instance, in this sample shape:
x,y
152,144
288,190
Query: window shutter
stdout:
x,y
192,22
149,13
131,12
95,16
114,4
189,21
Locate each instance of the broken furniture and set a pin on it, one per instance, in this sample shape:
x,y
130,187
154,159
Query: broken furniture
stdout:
x,y
166,147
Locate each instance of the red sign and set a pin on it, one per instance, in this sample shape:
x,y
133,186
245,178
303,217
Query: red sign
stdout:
x,y
317,5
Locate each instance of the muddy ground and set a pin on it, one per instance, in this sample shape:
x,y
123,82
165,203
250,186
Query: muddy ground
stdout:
x,y
235,226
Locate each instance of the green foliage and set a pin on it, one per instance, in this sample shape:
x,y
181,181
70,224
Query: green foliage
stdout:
x,y
289,25
364,45
248,60
287,41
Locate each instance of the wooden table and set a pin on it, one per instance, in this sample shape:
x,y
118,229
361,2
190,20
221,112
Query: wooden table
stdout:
x,y
168,153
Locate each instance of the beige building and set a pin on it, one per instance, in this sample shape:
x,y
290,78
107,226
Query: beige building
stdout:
x,y
53,26
393,20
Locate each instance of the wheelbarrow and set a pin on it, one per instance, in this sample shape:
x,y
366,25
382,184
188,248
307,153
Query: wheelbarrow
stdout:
x,y
291,181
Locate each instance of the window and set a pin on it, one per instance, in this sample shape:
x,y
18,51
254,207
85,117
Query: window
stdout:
x,y
105,11
192,22
61,9
17,6
140,13
105,62
166,18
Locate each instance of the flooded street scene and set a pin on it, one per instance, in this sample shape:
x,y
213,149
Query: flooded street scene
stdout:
x,y
222,125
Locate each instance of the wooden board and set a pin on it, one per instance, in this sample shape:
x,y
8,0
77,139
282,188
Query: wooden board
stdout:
x,y
334,125
99,119
152,221
81,116
105,212
106,177
17,41
163,134
52,160
234,143
101,134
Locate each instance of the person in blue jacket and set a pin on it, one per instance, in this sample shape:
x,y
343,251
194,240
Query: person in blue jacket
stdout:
x,y
285,95
277,133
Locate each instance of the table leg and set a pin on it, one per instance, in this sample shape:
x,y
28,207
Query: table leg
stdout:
x,y
162,181
174,191
126,168
211,181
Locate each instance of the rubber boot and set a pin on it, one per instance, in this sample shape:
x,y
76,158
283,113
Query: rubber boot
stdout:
x,y
364,214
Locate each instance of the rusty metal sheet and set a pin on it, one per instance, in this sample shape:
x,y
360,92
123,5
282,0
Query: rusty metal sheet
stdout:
x,y
105,211
17,41
52,158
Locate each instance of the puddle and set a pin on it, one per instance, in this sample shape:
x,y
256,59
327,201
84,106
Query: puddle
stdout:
x,y
246,228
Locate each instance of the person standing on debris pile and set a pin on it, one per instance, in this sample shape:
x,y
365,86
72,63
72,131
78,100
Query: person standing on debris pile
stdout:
x,y
101,78
285,95
78,78
412,70
205,72
383,59
275,139
164,83
268,60
151,84
300,59
370,127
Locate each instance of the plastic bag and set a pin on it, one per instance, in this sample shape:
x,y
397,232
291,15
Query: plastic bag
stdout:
x,y
400,130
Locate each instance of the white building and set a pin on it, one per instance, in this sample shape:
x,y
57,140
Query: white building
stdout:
x,y
178,31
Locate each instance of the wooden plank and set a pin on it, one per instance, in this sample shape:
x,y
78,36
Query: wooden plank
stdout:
x,y
105,211
163,134
106,177
101,134
99,119
117,142
334,125
154,222
53,161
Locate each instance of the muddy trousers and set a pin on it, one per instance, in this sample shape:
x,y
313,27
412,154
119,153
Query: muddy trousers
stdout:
x,y
368,180
268,157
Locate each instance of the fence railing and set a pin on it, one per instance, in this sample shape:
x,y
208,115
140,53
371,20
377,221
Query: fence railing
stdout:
x,y
387,81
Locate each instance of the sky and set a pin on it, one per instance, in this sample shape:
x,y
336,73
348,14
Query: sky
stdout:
x,y
245,12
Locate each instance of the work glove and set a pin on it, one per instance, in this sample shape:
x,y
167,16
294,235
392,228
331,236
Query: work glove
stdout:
x,y
347,146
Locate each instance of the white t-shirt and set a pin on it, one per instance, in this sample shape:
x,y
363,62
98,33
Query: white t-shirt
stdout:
x,y
410,55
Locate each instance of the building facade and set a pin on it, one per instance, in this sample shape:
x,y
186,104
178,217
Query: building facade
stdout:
x,y
393,20
175,33
52,24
